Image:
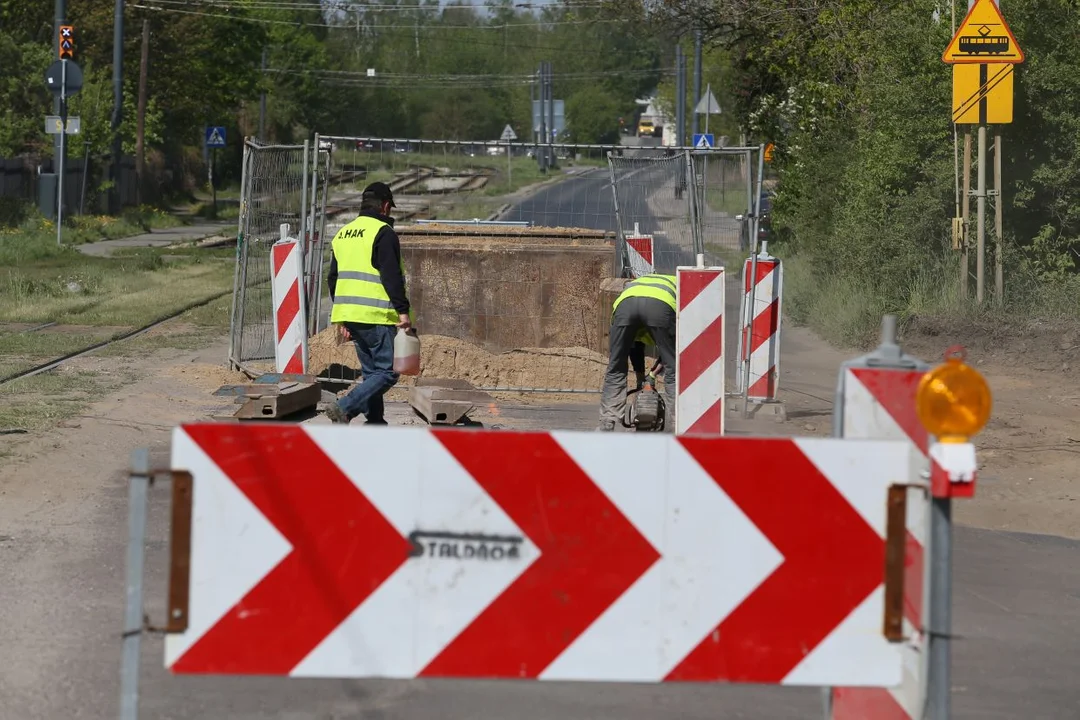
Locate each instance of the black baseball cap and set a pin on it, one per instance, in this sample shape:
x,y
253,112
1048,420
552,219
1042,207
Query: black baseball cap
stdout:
x,y
379,191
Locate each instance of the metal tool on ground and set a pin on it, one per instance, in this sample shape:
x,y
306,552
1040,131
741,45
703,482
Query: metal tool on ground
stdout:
x,y
646,411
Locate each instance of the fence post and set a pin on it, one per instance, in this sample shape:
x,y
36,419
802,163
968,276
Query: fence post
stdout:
x,y
753,268
620,240
236,312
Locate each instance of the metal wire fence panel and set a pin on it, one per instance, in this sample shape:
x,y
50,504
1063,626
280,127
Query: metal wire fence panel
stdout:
x,y
505,263
722,182
272,194
652,197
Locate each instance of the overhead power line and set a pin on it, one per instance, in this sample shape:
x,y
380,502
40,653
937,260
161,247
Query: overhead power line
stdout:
x,y
181,7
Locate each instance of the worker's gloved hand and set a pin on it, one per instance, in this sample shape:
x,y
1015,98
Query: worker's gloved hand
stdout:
x,y
640,380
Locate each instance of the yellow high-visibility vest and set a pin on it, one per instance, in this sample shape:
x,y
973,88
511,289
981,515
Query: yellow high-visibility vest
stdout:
x,y
359,296
655,286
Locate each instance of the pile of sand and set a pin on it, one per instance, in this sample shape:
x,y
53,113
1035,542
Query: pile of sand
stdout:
x,y
446,357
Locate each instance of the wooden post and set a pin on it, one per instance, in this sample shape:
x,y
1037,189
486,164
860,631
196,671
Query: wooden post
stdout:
x,y
999,241
140,121
965,207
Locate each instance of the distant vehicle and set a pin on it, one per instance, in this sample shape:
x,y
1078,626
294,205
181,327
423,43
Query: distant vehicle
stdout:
x,y
646,128
494,150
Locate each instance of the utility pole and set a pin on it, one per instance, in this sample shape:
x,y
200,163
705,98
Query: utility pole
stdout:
x,y
697,81
680,96
551,114
262,99
541,151
965,212
118,101
140,130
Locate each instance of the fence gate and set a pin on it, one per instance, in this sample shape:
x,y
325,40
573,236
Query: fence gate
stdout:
x,y
715,218
281,184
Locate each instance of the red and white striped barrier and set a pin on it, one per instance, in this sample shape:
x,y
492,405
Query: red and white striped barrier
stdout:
x,y
290,331
699,340
639,252
759,336
527,556
879,404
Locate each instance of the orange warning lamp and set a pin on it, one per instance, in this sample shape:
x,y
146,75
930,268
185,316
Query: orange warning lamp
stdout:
x,y
953,400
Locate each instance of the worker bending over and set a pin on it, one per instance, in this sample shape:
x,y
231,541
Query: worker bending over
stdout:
x,y
367,286
644,311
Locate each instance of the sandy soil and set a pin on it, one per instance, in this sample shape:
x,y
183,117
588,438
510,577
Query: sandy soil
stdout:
x,y
447,357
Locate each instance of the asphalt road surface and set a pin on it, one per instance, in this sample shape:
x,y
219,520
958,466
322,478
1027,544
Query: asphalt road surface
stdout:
x,y
586,201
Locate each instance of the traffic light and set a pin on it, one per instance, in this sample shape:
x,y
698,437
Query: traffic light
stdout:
x,y
66,42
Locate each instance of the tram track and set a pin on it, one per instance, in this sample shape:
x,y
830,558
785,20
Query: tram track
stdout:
x,y
127,335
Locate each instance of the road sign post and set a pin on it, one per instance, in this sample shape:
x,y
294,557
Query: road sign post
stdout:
x,y
215,138
64,79
982,52
508,136
63,152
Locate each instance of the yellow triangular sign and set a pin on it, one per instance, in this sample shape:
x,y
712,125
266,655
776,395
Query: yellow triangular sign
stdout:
x,y
984,38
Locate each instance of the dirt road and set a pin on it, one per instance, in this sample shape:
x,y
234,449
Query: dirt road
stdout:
x,y
62,527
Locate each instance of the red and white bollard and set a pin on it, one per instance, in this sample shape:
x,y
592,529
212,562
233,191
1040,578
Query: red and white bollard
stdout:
x,y
639,252
290,334
759,334
699,341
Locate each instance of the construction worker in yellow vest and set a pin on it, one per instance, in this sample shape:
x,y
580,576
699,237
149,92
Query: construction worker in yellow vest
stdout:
x,y
367,286
644,311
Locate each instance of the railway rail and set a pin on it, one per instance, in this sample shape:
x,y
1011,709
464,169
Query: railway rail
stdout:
x,y
127,335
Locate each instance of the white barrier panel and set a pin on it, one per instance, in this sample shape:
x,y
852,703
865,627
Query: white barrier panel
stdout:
x,y
879,403
699,340
760,319
517,555
290,334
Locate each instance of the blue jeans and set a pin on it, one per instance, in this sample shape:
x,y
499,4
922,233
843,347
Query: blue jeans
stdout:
x,y
375,348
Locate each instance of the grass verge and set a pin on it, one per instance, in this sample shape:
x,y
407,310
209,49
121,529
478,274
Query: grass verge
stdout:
x,y
848,314
36,402
95,298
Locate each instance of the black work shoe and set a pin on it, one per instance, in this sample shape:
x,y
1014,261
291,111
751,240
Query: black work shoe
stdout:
x,y
376,422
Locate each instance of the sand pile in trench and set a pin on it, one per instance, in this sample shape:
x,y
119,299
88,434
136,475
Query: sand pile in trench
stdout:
x,y
446,357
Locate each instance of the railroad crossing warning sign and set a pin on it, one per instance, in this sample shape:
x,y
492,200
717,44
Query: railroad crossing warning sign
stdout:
x,y
983,37
527,555
982,94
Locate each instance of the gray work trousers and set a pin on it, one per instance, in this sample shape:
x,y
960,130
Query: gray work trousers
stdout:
x,y
632,315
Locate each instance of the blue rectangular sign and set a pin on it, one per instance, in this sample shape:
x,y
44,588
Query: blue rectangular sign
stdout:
x,y
704,141
215,137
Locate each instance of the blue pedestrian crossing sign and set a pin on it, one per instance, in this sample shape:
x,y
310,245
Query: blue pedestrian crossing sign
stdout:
x,y
215,137
703,141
